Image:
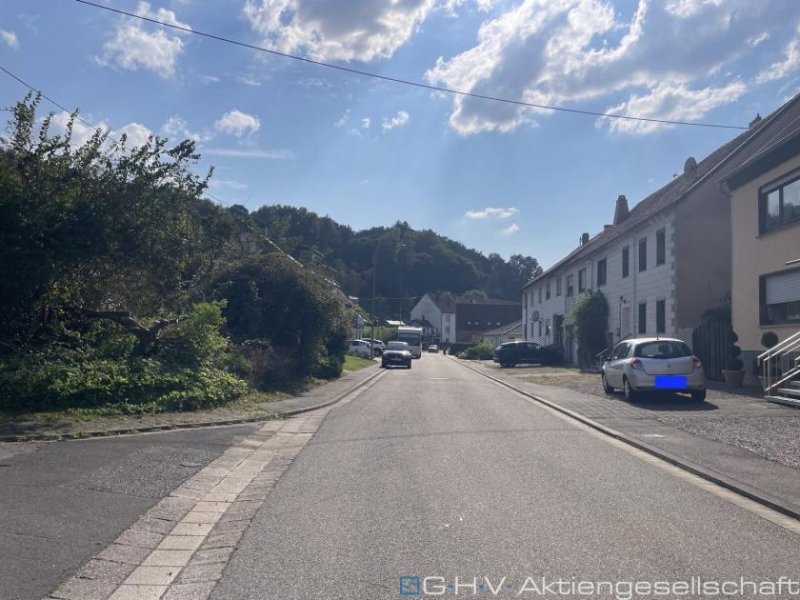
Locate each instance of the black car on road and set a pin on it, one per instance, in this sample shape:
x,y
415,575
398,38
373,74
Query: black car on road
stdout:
x,y
514,353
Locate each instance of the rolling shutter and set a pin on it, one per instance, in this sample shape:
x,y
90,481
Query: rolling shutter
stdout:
x,y
784,287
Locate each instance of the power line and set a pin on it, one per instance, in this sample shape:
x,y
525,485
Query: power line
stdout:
x,y
45,96
434,88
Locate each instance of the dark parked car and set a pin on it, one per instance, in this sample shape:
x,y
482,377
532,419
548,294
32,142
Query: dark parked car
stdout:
x,y
513,353
396,353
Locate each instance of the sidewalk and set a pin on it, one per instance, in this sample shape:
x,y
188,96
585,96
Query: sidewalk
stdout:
x,y
738,438
18,430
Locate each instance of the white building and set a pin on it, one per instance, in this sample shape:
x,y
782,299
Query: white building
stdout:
x,y
660,265
439,309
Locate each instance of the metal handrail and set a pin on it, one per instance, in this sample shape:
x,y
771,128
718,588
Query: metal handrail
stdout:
x,y
788,377
780,347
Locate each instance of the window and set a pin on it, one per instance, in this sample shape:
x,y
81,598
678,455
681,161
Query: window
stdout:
x,y
643,317
779,205
601,272
525,298
661,247
540,328
643,254
570,289
661,316
540,295
558,286
780,298
626,255
621,351
547,290
582,280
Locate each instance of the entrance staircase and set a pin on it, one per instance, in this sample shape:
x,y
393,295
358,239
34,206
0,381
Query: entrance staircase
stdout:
x,y
780,372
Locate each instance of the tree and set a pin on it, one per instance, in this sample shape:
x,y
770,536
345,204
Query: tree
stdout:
x,y
101,228
273,301
590,316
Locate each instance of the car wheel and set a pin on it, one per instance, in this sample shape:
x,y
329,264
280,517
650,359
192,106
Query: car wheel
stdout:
x,y
631,395
699,396
606,388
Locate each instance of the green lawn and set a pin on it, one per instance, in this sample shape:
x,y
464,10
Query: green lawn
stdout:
x,y
354,363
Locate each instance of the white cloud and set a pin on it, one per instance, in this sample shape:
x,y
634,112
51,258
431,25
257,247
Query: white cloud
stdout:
x,y
237,123
491,212
136,133
10,38
239,153
251,81
133,47
343,119
366,122
353,30
670,101
781,68
510,230
759,39
579,53
399,120
177,129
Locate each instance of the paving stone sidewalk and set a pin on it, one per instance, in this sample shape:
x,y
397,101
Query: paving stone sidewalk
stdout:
x,y
737,435
22,430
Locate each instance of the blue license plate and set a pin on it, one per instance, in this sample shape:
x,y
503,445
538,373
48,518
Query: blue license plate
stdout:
x,y
670,382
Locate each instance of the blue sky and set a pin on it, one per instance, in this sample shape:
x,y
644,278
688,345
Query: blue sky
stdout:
x,y
496,177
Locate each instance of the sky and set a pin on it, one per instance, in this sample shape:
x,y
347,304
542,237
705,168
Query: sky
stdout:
x,y
495,176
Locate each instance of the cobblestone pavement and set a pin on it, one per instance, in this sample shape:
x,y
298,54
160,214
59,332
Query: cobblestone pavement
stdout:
x,y
737,417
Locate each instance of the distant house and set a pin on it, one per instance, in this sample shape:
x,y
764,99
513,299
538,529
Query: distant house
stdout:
x,y
456,319
438,309
473,318
765,219
661,264
507,333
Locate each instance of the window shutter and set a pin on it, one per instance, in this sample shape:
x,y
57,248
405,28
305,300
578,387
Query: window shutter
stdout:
x,y
784,287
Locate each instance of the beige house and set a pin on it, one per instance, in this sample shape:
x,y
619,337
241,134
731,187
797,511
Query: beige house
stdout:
x,y
765,226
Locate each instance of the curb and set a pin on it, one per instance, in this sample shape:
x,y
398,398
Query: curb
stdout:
x,y
85,435
786,508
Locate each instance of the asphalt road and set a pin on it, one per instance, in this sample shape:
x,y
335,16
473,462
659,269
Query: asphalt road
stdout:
x,y
63,502
437,472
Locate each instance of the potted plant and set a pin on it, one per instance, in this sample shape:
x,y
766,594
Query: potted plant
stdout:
x,y
734,367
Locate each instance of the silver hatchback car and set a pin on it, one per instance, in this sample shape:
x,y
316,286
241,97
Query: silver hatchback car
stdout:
x,y
637,365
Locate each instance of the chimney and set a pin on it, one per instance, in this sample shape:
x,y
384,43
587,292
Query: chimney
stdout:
x,y
755,121
690,168
621,211
584,239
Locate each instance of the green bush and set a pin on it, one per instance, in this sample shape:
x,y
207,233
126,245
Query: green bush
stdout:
x,y
457,348
196,341
481,351
590,316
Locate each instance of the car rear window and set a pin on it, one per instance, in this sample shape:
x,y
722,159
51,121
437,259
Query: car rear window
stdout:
x,y
661,349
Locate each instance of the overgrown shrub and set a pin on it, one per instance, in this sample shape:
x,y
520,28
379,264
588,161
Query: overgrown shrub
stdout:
x,y
480,351
732,354
457,348
590,316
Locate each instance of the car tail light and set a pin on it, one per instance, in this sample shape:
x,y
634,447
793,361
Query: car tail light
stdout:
x,y
696,363
635,363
